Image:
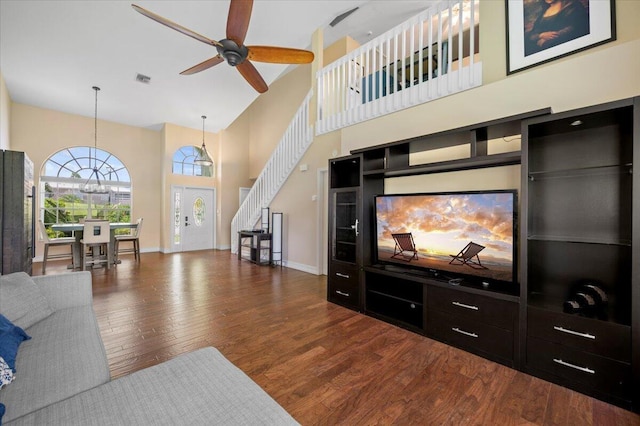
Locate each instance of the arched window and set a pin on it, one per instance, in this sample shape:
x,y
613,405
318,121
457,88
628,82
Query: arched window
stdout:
x,y
66,172
183,162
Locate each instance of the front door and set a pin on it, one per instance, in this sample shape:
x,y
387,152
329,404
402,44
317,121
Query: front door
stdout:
x,y
194,212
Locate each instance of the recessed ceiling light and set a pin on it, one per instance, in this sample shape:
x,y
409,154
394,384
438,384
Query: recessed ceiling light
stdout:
x,y
576,123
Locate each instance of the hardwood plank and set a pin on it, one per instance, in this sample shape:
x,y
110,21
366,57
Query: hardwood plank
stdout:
x,y
323,363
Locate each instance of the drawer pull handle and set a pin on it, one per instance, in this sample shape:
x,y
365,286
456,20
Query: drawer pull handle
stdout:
x,y
342,275
575,333
342,293
577,367
462,305
466,333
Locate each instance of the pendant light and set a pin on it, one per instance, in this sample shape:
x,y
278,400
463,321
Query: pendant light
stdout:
x,y
203,158
94,186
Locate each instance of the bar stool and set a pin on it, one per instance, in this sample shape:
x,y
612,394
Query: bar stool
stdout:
x,y
133,237
96,236
48,242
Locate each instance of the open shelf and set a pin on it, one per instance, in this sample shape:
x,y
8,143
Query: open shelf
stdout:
x,y
402,302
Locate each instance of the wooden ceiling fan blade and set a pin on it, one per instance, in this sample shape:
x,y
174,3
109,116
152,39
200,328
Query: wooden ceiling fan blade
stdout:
x,y
203,65
174,26
238,20
279,55
253,77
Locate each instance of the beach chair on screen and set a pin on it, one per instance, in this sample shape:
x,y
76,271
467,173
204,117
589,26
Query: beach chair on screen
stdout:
x,y
405,248
467,255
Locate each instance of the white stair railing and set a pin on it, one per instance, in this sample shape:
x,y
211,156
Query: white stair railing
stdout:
x,y
294,143
432,55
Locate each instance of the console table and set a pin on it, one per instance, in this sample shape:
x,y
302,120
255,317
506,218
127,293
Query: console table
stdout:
x,y
255,246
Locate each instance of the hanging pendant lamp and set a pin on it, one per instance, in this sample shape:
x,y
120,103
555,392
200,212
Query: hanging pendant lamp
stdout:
x,y
203,158
94,186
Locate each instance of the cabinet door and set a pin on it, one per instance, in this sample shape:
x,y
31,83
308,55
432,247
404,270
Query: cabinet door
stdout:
x,y
344,248
345,225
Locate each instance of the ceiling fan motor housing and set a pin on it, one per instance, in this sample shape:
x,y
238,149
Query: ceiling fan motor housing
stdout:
x,y
231,52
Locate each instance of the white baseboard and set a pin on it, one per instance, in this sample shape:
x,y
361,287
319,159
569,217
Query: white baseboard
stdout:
x,y
301,267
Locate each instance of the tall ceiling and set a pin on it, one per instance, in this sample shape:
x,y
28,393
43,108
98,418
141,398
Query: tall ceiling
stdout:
x,y
52,52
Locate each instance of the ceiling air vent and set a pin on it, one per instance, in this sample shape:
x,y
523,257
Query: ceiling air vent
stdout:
x,y
339,18
143,78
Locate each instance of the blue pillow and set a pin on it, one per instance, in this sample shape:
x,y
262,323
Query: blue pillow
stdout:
x,y
10,338
1,412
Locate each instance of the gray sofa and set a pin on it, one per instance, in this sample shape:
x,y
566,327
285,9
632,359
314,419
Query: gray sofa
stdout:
x,y
62,373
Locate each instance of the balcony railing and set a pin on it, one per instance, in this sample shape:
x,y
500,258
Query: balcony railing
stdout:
x,y
432,55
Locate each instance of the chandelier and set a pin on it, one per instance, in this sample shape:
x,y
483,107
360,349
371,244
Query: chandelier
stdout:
x,y
94,186
203,158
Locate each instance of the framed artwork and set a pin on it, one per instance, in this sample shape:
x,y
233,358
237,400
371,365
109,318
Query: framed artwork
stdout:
x,y
540,31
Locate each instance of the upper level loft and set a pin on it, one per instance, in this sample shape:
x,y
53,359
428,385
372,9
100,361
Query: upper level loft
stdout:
x,y
434,54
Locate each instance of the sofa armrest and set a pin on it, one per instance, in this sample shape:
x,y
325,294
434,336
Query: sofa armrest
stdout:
x,y
66,290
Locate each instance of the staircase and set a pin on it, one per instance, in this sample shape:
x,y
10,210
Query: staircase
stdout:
x,y
294,143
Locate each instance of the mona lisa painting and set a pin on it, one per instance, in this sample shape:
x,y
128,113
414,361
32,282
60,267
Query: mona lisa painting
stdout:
x,y
540,31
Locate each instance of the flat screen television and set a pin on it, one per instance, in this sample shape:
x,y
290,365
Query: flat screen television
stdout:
x,y
460,236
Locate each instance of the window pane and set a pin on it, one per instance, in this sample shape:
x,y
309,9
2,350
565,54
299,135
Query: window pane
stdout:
x,y
66,171
176,218
183,162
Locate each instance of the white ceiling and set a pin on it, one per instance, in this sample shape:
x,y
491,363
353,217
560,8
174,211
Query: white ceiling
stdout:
x,y
52,52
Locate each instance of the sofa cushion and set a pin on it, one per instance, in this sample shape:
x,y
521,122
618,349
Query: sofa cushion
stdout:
x,y
197,388
21,300
64,357
11,337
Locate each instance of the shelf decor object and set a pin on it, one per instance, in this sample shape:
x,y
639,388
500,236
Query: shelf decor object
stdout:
x,y
540,32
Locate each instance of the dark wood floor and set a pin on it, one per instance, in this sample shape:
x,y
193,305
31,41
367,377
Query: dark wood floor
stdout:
x,y
324,364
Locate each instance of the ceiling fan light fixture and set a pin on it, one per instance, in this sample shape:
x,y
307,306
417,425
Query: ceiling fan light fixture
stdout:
x,y
203,158
232,53
232,49
94,186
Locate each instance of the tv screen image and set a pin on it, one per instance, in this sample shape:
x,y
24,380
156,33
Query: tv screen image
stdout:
x,y
468,234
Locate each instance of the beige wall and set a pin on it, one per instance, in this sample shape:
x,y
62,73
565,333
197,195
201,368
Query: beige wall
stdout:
x,y
303,206
338,49
234,173
271,113
41,132
5,111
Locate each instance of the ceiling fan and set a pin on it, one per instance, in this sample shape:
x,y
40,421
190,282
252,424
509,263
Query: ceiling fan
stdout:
x,y
233,50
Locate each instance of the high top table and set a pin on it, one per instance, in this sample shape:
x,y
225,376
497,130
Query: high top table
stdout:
x,y
78,228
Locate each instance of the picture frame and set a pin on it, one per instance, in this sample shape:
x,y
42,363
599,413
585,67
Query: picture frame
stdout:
x,y
540,31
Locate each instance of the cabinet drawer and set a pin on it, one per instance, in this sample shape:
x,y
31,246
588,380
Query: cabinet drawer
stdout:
x,y
591,371
584,334
344,272
343,292
500,313
467,333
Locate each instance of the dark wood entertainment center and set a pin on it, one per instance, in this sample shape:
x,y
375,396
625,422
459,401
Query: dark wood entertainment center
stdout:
x,y
579,221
